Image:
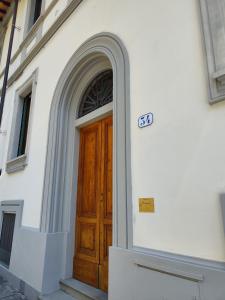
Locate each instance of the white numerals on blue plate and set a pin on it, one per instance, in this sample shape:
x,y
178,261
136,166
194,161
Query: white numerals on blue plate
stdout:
x,y
145,120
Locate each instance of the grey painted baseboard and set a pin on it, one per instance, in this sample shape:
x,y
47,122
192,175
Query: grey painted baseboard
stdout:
x,y
147,275
37,258
134,274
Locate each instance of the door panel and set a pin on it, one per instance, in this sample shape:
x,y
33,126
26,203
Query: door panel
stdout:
x,y
86,271
94,204
107,165
86,259
106,202
86,239
88,181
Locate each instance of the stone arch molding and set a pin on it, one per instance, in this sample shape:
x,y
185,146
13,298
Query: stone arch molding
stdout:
x,y
58,207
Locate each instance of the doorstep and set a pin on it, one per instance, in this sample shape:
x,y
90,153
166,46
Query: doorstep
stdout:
x,y
81,290
59,295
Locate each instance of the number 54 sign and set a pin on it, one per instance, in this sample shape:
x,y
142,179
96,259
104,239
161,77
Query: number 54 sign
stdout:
x,y
145,120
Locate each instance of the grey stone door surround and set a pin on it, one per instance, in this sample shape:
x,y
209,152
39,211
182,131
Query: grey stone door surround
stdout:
x,y
58,209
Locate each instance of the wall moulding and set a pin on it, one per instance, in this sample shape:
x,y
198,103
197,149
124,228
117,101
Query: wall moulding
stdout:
x,y
163,276
213,21
14,162
42,39
57,196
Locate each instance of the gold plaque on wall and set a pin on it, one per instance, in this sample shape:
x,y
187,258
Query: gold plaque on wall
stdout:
x,y
146,205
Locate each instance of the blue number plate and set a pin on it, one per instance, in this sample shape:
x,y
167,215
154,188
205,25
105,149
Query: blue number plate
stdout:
x,y
145,120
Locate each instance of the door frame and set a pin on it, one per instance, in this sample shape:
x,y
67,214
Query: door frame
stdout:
x,y
58,206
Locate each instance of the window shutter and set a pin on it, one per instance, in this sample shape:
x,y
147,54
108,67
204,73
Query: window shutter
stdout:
x,y
213,18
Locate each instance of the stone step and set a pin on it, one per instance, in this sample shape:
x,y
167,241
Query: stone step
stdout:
x,y
82,291
59,295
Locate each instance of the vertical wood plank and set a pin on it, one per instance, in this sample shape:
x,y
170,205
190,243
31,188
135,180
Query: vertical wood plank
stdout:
x,y
106,201
86,260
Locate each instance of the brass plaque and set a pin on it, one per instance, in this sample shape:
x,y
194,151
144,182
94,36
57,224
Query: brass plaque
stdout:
x,y
146,205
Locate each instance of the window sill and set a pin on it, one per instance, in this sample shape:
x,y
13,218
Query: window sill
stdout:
x,y
17,164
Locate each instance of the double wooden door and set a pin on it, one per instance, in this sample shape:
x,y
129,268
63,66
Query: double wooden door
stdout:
x,y
94,204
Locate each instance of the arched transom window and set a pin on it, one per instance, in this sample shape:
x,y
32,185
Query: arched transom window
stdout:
x,y
98,93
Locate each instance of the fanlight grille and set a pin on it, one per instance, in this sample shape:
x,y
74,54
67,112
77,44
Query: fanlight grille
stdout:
x,y
98,93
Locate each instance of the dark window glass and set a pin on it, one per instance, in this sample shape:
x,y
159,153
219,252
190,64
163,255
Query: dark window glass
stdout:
x,y
98,93
7,232
24,125
37,10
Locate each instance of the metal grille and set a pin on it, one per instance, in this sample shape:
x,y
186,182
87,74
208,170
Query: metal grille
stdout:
x,y
7,231
98,93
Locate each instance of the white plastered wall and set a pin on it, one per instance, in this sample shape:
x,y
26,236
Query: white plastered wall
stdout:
x,y
179,159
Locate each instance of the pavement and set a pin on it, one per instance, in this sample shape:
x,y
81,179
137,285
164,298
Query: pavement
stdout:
x,y
7,292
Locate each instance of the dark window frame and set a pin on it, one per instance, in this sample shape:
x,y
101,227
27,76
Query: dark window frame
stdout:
x,y
13,207
34,12
37,10
24,124
14,162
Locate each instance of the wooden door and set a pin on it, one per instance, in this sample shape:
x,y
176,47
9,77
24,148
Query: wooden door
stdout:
x,y
94,204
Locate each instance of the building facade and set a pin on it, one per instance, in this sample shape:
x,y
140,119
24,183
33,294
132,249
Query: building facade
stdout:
x,y
111,149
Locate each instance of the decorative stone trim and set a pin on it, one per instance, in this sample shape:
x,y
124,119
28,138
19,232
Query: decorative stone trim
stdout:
x,y
213,19
169,271
31,29
57,204
164,276
15,206
45,38
32,33
16,164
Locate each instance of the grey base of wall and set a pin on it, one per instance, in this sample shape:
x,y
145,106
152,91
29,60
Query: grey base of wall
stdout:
x,y
29,292
37,258
38,261
137,275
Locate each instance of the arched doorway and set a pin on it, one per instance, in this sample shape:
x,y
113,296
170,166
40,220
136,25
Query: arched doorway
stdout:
x,y
101,53
93,224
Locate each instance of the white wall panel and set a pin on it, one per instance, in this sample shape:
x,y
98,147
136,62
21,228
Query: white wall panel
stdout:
x,y
179,160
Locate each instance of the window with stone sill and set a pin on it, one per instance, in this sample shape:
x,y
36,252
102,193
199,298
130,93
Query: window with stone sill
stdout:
x,y
21,126
18,159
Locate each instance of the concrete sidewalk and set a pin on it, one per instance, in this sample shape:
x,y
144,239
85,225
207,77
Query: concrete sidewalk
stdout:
x,y
8,292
